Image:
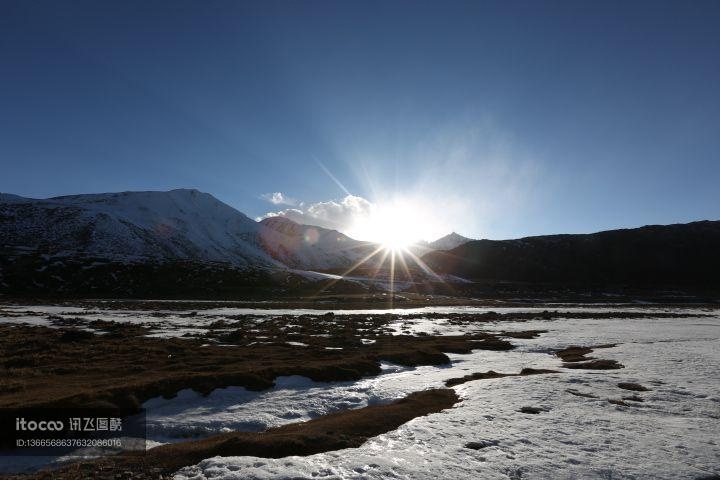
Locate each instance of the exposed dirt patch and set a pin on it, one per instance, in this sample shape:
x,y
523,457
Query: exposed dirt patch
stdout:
x,y
575,357
635,387
579,354
347,429
526,334
492,374
481,444
531,410
595,365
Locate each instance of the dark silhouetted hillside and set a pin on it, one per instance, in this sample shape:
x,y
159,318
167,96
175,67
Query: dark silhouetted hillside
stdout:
x,y
672,255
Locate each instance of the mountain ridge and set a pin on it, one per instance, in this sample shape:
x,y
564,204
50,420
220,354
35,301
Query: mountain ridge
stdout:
x,y
131,243
678,254
179,224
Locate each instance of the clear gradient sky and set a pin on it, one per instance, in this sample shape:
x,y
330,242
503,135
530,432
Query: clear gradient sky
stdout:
x,y
494,119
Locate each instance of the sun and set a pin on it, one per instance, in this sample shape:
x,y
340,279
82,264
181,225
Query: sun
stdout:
x,y
397,229
395,240
395,225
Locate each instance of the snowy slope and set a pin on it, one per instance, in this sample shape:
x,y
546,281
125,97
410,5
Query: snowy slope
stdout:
x,y
185,225
135,226
309,247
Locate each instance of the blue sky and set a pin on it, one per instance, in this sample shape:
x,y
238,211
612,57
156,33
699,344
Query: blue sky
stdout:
x,y
494,119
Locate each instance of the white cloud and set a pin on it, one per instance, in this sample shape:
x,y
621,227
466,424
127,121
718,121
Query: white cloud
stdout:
x,y
277,198
339,215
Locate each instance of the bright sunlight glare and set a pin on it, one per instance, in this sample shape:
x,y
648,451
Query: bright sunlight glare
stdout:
x,y
394,225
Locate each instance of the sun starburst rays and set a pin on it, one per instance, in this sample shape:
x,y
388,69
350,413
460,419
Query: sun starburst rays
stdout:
x,y
388,267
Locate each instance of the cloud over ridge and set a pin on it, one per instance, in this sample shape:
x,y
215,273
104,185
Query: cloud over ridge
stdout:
x,y
339,214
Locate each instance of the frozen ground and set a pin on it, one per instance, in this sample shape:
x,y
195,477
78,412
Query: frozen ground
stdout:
x,y
672,434
174,323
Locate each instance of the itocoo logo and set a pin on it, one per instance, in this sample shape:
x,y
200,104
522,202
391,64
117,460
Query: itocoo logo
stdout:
x,y
43,425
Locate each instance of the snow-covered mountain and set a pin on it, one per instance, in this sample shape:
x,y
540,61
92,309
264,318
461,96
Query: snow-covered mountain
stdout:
x,y
179,225
134,226
448,242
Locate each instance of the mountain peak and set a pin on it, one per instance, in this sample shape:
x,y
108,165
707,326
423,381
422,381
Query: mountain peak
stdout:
x,y
449,241
181,224
278,220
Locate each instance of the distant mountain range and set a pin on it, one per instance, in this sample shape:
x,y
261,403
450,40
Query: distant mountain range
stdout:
x,y
188,243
